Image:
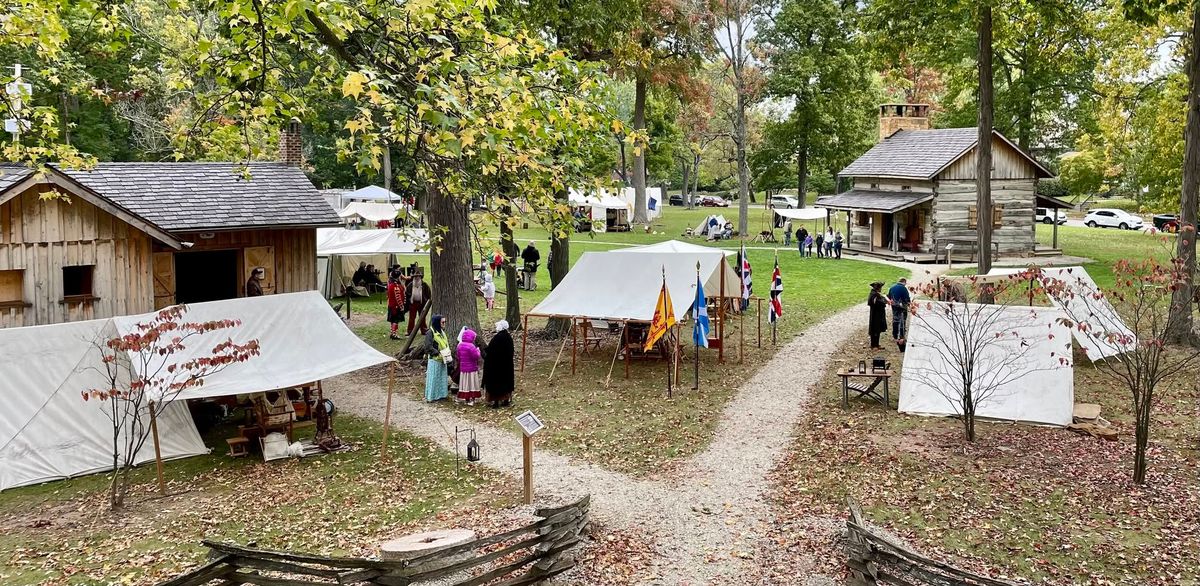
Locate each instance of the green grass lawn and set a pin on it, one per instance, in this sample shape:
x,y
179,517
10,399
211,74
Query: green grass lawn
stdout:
x,y
343,504
630,425
1106,246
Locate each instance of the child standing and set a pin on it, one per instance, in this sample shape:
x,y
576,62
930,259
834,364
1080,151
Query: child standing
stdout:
x,y
820,245
808,245
470,383
488,288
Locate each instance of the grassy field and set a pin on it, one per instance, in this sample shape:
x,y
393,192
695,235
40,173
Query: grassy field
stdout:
x,y
1104,247
1040,503
62,533
629,424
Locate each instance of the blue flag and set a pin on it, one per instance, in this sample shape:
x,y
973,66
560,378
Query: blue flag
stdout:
x,y
700,314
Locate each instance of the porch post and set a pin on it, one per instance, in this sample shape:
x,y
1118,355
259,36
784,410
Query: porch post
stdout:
x,y
895,234
871,232
1054,239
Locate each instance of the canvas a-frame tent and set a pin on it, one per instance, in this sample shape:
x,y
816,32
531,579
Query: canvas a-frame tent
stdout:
x,y
48,432
1034,366
339,252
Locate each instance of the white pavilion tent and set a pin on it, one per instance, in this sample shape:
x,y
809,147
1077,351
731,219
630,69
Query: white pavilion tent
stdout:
x,y
604,209
803,213
372,193
48,432
339,251
370,212
1036,388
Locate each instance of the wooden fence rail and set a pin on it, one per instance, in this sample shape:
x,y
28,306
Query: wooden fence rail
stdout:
x,y
875,559
536,553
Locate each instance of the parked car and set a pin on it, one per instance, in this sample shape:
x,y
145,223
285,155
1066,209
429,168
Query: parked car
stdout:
x,y
1166,222
786,202
1047,216
1112,218
712,201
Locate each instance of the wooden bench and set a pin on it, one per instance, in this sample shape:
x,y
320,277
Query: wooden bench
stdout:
x,y
238,446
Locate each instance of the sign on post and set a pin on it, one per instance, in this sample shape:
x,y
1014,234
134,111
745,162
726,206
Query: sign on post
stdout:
x,y
530,424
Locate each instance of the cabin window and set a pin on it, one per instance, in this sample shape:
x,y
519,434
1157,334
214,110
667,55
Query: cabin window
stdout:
x,y
861,218
77,282
905,188
12,287
874,186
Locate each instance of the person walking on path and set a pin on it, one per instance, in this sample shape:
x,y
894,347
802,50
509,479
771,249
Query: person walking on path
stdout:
x,y
876,301
787,233
499,360
395,303
899,297
837,244
437,353
419,294
820,241
470,381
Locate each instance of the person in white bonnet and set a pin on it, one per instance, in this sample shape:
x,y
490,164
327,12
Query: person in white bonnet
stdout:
x,y
498,367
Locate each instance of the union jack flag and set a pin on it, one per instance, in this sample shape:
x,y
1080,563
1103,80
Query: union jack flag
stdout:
x,y
776,292
747,283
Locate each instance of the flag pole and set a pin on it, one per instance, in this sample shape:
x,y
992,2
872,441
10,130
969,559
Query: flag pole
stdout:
x,y
696,326
776,321
671,362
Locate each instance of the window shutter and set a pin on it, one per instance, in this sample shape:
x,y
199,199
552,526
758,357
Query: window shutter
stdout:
x,y
164,279
260,256
973,218
997,215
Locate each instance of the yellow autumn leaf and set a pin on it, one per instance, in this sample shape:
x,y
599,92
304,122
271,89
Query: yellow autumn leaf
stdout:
x,y
353,85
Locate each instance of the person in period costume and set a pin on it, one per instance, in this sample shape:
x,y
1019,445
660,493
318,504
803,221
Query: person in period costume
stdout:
x,y
470,380
488,289
497,262
499,361
878,303
418,293
395,302
787,233
899,297
254,283
437,352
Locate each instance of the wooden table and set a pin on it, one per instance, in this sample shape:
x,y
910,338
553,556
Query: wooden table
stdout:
x,y
862,388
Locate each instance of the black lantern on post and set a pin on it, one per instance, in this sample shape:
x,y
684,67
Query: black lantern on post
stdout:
x,y
474,452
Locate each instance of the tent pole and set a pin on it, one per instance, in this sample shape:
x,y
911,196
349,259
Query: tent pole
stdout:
x,y
625,344
741,336
676,354
524,340
387,411
558,358
574,342
158,466
608,380
758,304
721,317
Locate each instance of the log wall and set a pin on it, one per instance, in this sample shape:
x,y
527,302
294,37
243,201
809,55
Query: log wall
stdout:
x,y
40,237
288,254
1016,198
886,184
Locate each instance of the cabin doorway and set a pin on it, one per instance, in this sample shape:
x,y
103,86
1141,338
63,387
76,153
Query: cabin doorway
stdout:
x,y
209,275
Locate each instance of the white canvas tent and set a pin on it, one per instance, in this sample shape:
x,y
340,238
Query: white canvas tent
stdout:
x,y
339,251
618,287
48,432
675,246
803,213
369,212
701,229
1101,317
1039,387
654,200
604,209
372,193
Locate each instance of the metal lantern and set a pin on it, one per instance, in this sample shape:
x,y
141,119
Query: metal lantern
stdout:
x,y
473,454
862,367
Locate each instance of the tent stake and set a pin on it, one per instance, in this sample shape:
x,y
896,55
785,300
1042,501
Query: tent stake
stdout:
x,y
574,342
608,380
158,466
524,340
758,304
557,358
387,412
625,343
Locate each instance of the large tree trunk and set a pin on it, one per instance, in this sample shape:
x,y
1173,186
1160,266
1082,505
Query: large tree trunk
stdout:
x,y
624,166
695,180
1182,299
559,264
743,169
802,176
512,292
685,168
639,155
983,167
450,260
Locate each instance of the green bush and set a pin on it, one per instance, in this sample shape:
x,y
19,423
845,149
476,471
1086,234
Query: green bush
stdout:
x,y
1119,203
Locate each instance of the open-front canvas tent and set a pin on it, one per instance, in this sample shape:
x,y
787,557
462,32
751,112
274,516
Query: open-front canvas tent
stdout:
x,y
370,212
339,251
1033,367
1088,306
804,213
48,432
701,229
605,210
623,285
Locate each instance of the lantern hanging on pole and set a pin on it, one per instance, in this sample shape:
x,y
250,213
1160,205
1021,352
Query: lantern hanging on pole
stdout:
x,y
473,451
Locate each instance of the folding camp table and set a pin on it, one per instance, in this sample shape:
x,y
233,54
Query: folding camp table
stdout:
x,y
863,389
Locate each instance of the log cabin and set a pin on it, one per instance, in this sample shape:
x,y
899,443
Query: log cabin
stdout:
x,y
128,238
914,192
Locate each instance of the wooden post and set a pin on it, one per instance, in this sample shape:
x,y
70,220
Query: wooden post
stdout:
x,y
1054,239
524,340
158,465
608,380
721,318
625,345
387,411
758,318
527,458
741,335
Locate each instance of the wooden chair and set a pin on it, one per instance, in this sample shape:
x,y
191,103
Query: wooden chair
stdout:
x,y
270,417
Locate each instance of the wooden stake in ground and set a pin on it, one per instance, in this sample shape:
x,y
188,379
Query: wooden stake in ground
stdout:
x,y
574,341
558,358
387,411
524,341
620,345
158,464
527,461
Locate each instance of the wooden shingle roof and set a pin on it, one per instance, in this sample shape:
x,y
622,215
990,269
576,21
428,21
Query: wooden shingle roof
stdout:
x,y
186,197
922,154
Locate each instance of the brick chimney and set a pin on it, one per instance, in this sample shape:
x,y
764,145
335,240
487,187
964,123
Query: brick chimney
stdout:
x,y
894,117
289,144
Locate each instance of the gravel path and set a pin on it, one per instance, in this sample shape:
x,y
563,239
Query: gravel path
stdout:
x,y
707,518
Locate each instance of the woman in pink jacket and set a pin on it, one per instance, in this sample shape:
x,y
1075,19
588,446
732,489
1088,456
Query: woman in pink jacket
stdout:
x,y
470,380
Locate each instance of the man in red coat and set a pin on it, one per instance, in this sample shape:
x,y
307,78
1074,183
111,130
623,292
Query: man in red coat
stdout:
x,y
396,305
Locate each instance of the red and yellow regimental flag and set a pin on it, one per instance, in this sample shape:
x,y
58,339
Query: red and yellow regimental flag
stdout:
x,y
664,318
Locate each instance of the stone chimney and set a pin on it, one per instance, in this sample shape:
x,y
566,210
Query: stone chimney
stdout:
x,y
289,144
894,117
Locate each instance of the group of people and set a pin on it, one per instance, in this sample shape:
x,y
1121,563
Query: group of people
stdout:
x,y
406,294
828,244
898,298
476,369
367,276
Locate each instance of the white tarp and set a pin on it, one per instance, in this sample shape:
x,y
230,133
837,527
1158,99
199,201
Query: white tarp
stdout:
x,y
370,212
1033,369
48,432
1084,305
371,193
654,200
624,285
675,246
803,213
332,241
599,205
